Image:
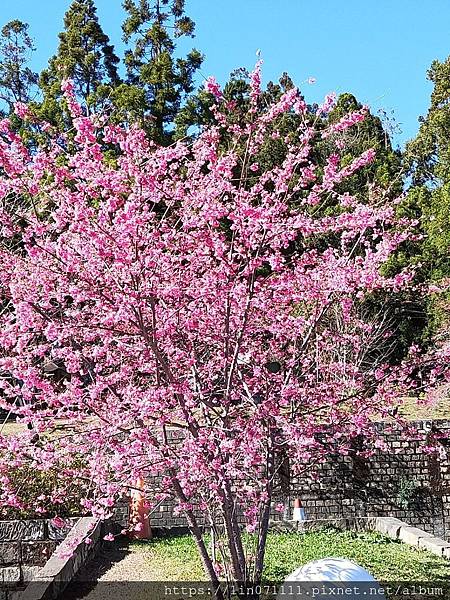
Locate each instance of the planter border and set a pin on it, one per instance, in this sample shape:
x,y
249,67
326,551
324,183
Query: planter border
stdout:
x,y
51,580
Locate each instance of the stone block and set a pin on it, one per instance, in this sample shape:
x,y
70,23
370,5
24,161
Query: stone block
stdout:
x,y
434,545
17,531
412,535
37,553
10,575
9,553
389,526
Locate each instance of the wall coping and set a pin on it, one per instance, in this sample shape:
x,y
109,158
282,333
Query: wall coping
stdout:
x,y
65,562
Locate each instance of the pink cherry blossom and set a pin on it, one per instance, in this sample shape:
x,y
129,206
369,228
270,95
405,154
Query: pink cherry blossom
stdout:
x,y
213,88
22,110
184,321
58,522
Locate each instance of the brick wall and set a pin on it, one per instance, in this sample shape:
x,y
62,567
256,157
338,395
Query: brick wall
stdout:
x,y
403,481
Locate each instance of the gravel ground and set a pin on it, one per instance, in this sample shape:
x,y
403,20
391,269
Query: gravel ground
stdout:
x,y
120,573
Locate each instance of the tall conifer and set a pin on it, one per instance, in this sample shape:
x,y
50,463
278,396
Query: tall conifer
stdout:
x,y
84,55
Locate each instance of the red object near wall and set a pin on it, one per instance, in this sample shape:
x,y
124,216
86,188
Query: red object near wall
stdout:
x,y
139,521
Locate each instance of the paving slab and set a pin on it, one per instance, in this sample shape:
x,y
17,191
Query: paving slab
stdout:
x,y
434,545
412,535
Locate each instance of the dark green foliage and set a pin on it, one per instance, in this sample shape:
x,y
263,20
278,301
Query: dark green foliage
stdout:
x,y
17,80
428,200
431,209
384,174
157,81
428,155
39,490
197,111
85,56
430,255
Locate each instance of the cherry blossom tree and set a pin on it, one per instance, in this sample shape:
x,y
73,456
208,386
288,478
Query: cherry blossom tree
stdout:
x,y
149,291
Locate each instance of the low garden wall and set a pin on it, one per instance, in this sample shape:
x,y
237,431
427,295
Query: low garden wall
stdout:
x,y
25,546
404,481
39,558
50,581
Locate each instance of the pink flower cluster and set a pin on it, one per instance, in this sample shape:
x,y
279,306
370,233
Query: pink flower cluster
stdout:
x,y
197,327
213,88
346,122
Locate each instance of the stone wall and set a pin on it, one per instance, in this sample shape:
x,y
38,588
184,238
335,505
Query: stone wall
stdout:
x,y
25,546
404,480
50,581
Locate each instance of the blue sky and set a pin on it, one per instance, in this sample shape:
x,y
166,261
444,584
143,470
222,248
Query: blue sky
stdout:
x,y
378,49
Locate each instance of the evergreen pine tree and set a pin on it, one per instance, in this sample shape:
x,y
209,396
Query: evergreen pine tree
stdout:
x,y
17,80
85,56
428,154
157,81
428,199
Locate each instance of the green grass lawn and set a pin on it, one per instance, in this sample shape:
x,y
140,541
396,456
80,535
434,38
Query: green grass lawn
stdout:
x,y
175,558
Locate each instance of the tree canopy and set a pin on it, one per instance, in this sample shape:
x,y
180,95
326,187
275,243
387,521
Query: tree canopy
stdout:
x,y
171,304
17,80
84,55
157,80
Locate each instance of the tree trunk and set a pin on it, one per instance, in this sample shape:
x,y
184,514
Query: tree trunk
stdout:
x,y
198,537
265,518
234,535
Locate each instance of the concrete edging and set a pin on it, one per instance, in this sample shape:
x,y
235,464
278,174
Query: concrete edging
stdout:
x,y
413,536
65,562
